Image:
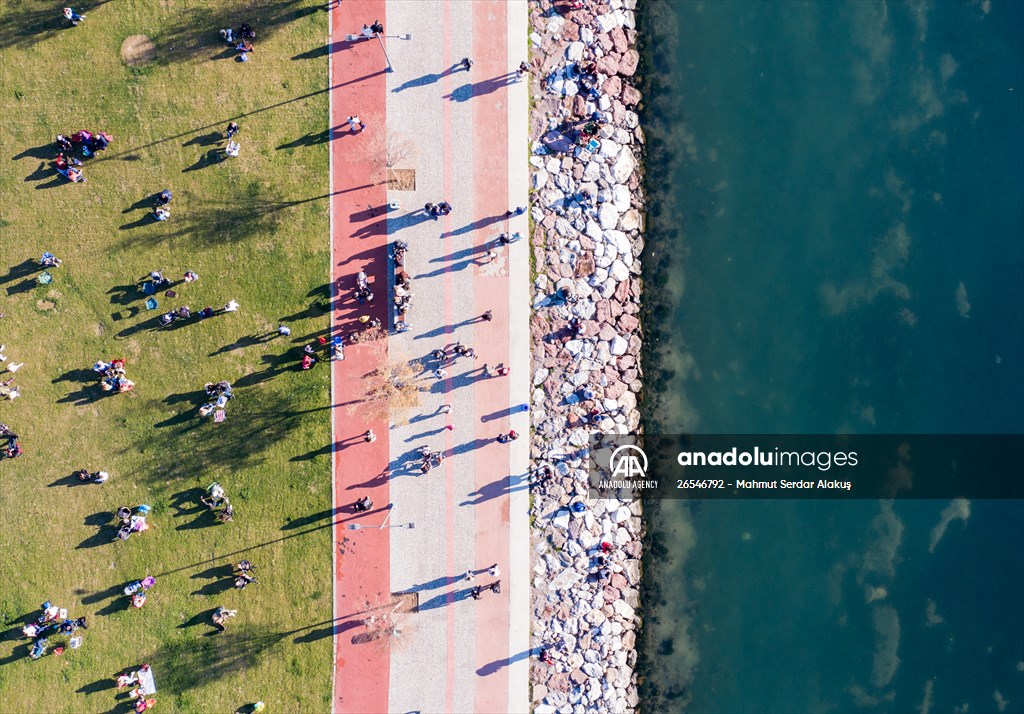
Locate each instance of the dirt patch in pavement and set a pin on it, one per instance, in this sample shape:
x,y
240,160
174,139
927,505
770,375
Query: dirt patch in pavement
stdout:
x,y
137,49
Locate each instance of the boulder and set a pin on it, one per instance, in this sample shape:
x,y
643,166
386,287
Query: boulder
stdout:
x,y
628,63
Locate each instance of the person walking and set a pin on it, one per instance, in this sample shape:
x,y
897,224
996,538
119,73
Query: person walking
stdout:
x,y
369,437
496,587
494,571
517,211
470,576
476,592
466,63
521,71
354,121
231,130
487,316
445,409
440,374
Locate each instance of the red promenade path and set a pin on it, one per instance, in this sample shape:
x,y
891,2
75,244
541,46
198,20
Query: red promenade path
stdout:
x,y
362,564
467,129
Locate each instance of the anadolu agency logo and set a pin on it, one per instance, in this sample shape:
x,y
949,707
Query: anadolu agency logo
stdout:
x,y
628,462
625,476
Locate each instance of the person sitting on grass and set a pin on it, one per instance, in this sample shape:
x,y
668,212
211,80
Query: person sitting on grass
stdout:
x,y
222,615
232,148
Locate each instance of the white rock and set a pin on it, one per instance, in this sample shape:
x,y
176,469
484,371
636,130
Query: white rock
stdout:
x,y
619,271
609,148
621,514
623,609
566,580
561,517
574,52
592,171
570,88
540,178
553,166
620,196
624,165
540,375
608,216
618,345
574,347
605,23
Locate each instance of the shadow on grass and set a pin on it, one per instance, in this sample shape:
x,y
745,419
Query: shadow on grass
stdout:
x,y
193,32
220,577
255,211
106,533
21,270
257,420
194,661
24,26
100,685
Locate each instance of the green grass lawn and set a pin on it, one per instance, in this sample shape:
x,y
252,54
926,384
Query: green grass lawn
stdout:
x,y
255,229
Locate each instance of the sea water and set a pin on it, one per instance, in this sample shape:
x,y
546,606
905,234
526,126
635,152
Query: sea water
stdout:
x,y
836,232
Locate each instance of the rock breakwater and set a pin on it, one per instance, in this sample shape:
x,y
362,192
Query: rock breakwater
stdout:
x,y
587,211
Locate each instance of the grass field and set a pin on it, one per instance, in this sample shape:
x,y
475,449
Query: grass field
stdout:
x,y
255,229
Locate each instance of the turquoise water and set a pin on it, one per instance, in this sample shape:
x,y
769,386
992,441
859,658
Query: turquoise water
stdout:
x,y
837,213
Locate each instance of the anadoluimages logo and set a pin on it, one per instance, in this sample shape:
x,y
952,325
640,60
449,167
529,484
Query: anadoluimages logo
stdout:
x,y
625,464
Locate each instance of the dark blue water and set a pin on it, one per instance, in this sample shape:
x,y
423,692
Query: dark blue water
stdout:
x,y
838,215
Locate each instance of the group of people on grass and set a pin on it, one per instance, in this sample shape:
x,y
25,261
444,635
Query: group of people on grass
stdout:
x,y
112,376
53,621
142,687
214,499
83,144
131,520
240,41
11,448
219,394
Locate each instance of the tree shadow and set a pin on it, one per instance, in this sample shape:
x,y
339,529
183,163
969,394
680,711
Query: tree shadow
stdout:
x,y
263,419
192,662
193,34
23,28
